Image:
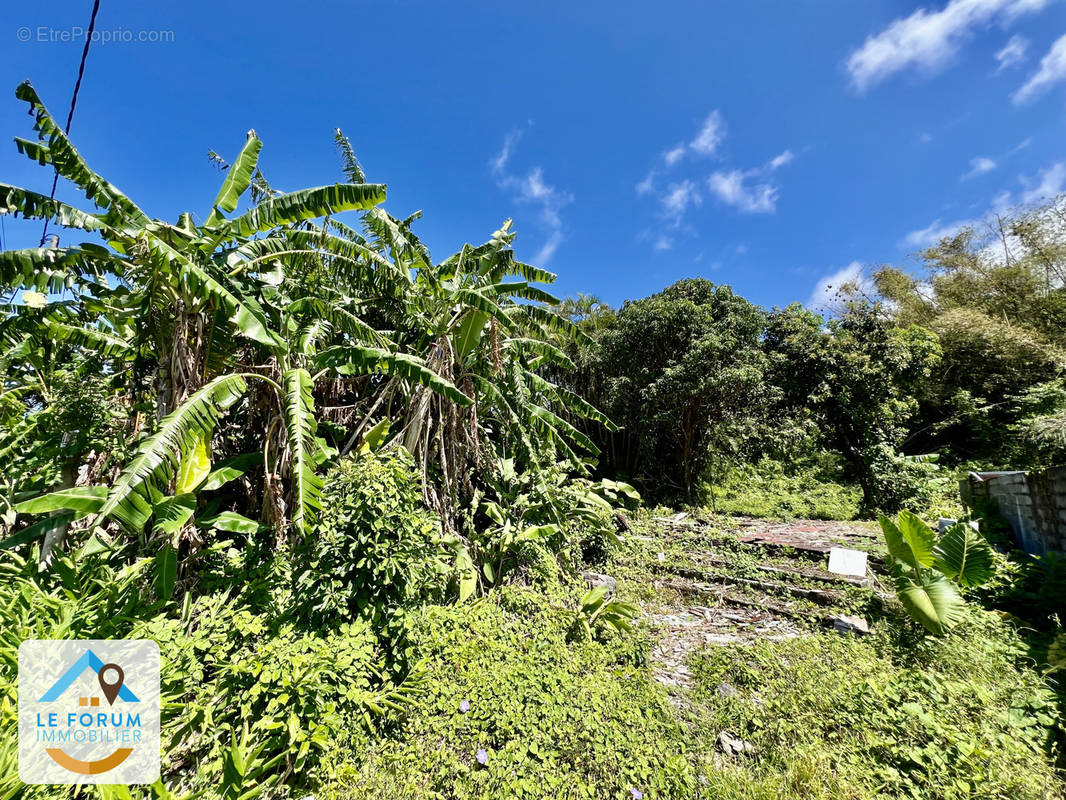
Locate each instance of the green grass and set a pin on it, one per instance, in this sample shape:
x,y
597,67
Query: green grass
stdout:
x,y
775,495
555,719
889,716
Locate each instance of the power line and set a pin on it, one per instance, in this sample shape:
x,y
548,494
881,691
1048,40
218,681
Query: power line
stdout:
x,y
74,101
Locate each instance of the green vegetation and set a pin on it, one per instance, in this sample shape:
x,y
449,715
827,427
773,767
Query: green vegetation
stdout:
x,y
924,566
767,490
833,717
554,719
376,508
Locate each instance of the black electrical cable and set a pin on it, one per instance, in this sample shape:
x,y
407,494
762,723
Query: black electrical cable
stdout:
x,y
74,101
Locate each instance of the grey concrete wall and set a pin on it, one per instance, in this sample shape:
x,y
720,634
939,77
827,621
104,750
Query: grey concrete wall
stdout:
x,y
1033,503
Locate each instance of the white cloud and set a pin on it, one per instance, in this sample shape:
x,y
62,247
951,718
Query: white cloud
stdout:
x,y
928,39
674,155
705,143
1047,184
547,250
1052,70
733,189
499,163
646,185
825,291
531,189
751,191
780,160
710,135
1013,53
678,199
979,166
934,232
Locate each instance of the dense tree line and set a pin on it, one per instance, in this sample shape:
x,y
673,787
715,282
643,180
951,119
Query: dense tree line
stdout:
x,y
963,358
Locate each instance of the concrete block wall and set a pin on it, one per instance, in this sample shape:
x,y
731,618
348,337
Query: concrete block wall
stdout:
x,y
1033,503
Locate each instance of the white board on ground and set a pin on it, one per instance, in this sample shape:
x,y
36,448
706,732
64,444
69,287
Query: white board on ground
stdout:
x,y
847,562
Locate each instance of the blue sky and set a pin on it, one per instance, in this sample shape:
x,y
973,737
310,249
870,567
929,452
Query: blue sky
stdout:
x,y
766,145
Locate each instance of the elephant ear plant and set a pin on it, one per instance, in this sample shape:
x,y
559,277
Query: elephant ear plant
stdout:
x,y
927,568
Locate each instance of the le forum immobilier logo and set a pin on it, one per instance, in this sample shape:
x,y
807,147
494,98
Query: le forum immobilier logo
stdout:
x,y
88,711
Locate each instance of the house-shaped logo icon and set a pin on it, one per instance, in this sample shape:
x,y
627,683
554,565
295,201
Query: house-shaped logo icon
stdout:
x,y
88,661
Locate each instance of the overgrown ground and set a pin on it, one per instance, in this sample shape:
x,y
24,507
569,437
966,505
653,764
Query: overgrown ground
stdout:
x,y
736,638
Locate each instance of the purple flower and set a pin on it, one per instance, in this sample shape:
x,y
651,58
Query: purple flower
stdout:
x,y
464,706
482,756
636,794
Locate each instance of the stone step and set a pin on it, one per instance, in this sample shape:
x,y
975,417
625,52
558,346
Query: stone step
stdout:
x,y
820,575
740,599
825,597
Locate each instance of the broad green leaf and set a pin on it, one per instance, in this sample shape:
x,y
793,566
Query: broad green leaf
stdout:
x,y
494,511
306,204
375,437
931,599
38,530
171,513
97,341
238,178
593,598
357,360
55,269
352,169
546,349
157,456
911,541
300,421
195,466
96,544
39,206
196,283
83,499
464,565
965,555
229,521
166,572
230,469
468,334
57,150
537,532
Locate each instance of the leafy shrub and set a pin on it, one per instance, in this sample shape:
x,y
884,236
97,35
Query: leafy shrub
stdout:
x,y
375,548
926,566
597,614
914,483
553,720
232,672
1031,587
536,518
842,717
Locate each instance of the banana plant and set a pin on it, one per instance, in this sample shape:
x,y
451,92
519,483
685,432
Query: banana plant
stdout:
x,y
264,338
211,300
926,568
597,612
